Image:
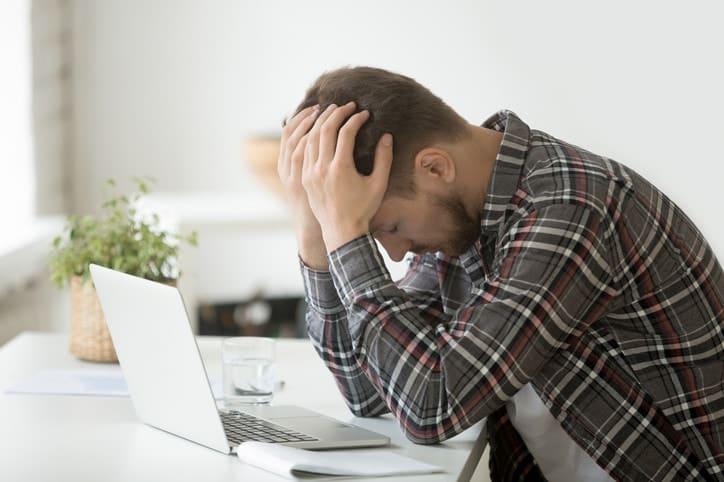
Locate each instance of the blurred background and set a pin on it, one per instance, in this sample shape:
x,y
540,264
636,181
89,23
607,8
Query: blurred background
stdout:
x,y
192,93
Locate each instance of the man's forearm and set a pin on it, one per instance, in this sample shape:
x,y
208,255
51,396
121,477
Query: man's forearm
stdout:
x,y
312,250
326,320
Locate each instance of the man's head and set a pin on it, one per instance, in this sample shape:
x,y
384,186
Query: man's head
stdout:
x,y
428,205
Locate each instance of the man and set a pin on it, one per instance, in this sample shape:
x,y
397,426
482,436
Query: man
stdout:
x,y
552,290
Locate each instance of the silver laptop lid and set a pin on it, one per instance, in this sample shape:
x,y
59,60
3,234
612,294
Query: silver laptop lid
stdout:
x,y
159,356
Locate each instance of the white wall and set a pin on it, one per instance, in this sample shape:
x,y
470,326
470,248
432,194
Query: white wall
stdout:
x,y
170,88
37,306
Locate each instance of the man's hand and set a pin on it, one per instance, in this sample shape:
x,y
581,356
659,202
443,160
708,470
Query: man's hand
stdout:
x,y
289,168
342,200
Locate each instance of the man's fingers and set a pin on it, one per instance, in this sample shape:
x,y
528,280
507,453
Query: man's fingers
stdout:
x,y
383,162
290,141
312,152
348,135
301,130
291,124
329,130
297,158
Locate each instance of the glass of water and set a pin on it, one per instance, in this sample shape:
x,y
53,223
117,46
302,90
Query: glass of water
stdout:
x,y
248,370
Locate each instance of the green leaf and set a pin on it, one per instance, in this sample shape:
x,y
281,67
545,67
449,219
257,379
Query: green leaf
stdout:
x,y
116,239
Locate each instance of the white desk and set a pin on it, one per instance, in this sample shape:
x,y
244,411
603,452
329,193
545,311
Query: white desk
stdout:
x,y
72,438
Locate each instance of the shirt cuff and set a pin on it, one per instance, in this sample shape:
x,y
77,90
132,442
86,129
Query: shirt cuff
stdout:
x,y
320,293
356,266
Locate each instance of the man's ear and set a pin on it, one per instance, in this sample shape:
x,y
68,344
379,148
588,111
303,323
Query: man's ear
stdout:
x,y
435,165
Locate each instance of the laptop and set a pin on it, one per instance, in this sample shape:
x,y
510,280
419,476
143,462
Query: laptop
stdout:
x,y
169,387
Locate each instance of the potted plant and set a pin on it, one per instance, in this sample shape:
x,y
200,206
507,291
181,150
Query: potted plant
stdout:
x,y
121,239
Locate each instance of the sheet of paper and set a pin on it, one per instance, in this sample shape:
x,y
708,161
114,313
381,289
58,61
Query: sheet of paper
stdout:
x,y
296,463
107,382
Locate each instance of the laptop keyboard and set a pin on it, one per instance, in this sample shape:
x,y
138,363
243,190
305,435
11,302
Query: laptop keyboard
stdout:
x,y
242,427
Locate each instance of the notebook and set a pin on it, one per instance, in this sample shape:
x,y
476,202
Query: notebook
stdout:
x,y
295,463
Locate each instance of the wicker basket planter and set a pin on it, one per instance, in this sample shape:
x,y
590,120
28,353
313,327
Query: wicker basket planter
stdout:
x,y
89,336
122,236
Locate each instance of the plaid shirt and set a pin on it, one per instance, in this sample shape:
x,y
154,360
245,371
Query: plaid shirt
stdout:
x,y
586,281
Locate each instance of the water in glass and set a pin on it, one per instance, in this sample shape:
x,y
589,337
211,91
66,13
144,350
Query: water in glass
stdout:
x,y
248,380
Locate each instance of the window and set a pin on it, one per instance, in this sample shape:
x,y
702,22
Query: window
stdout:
x,y
17,192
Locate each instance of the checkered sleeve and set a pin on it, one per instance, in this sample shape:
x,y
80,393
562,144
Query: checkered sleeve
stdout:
x,y
326,320
551,279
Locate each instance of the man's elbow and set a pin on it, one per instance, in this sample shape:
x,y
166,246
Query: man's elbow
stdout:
x,y
366,410
423,436
360,412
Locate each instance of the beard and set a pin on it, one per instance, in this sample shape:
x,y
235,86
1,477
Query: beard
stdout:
x,y
466,227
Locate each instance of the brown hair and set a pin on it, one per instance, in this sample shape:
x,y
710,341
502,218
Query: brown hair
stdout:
x,y
397,104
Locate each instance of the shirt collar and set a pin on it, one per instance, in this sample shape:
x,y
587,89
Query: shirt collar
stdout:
x,y
507,169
